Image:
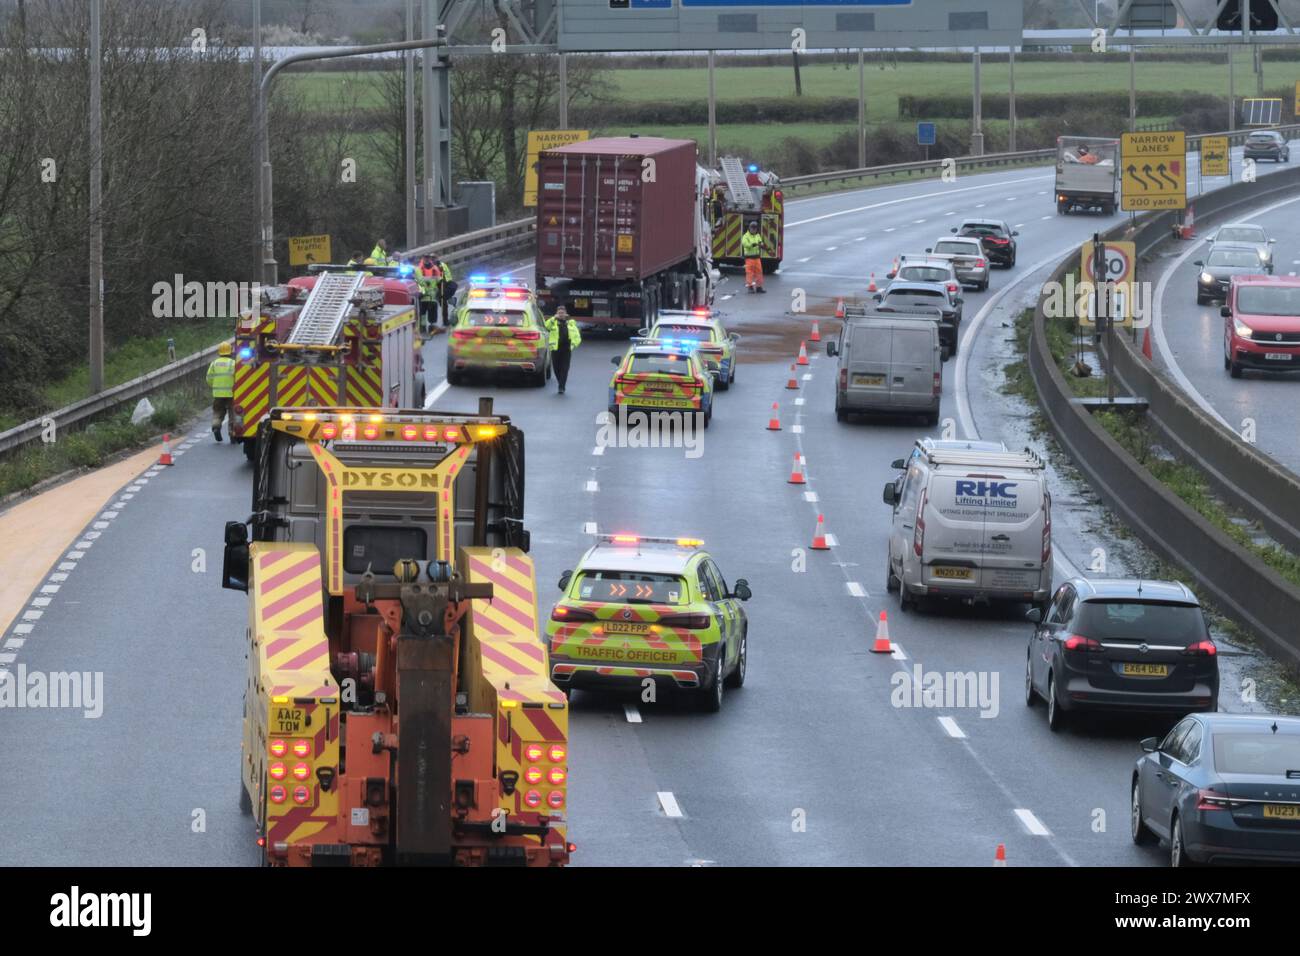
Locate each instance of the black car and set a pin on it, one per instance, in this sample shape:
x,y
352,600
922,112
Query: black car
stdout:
x,y
923,298
1119,644
1266,144
999,239
1217,269
1221,788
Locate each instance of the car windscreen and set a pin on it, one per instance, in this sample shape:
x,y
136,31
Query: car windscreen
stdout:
x,y
1269,300
631,587
1261,138
665,364
1240,234
1233,257
502,319
956,248
1272,754
694,333
1137,621
982,230
924,274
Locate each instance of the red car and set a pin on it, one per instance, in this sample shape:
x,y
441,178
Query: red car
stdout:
x,y
1261,324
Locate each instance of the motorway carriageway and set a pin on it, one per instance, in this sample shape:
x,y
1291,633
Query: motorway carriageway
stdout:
x,y
808,764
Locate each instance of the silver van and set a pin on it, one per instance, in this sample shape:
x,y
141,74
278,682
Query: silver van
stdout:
x,y
888,364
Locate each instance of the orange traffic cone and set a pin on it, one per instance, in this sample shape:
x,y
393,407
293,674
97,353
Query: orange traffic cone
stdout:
x,y
796,476
895,267
774,423
819,536
1000,856
794,381
803,354
166,457
871,286
1189,223
816,333
1146,343
882,645
839,307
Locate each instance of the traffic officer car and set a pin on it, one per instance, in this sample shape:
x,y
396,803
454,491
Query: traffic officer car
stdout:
x,y
703,329
654,376
638,608
499,330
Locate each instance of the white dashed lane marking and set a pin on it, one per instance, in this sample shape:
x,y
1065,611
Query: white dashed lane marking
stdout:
x,y
798,401
830,540
598,450
23,628
1032,823
589,528
810,496
950,728
631,713
593,486
856,589
669,804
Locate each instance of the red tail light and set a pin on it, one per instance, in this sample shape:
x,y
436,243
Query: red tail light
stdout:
x,y
534,775
918,536
571,615
953,287
302,748
979,263
1201,649
555,799
1212,800
461,335
278,771
328,431
277,794
533,799
301,795
844,379
1077,642
693,622
1047,530
528,336
557,753
279,747
533,752
938,383
555,776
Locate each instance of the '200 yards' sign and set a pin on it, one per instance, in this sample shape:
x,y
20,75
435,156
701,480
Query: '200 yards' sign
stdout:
x,y
1153,169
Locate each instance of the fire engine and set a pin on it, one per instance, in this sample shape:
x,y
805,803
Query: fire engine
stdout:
x,y
740,195
336,337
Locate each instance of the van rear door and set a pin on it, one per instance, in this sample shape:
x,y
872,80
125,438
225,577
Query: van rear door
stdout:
x,y
1014,519
912,364
953,536
869,365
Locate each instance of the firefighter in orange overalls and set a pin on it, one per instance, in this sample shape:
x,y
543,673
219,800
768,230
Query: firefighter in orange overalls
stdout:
x,y
751,248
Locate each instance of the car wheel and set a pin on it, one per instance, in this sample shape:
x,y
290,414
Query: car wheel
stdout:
x,y
711,697
1234,368
250,448
1031,695
932,419
245,801
1012,263
952,347
1138,829
891,582
1055,715
1226,361
1177,849
905,601
723,384
840,414
1200,299
737,678
984,286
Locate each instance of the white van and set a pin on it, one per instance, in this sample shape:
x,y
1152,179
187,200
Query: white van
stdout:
x,y
970,524
888,364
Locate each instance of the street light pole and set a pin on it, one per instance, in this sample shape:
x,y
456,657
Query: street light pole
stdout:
x,y
96,208
266,228
977,111
862,112
411,239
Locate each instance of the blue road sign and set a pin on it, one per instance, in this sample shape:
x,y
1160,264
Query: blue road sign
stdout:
x,y
924,134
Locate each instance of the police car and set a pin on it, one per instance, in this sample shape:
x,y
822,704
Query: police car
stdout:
x,y
637,607
499,330
658,376
703,329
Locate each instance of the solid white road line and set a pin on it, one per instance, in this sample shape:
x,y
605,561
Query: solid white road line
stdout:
x,y
947,191
950,728
669,804
1032,823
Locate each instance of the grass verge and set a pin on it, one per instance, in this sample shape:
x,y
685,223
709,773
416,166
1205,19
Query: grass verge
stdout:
x,y
93,445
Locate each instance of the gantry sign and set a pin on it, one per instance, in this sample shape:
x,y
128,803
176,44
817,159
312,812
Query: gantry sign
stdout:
x,y
612,25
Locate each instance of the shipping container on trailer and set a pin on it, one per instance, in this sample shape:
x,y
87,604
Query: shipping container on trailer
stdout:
x,y
622,230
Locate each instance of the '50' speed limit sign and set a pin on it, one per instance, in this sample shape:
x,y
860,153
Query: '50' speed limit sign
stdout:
x,y
1119,262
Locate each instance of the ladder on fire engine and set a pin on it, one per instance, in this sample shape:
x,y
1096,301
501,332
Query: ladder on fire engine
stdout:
x,y
742,197
328,305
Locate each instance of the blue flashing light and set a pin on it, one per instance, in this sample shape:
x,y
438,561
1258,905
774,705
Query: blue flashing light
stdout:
x,y
245,354
479,279
405,270
753,168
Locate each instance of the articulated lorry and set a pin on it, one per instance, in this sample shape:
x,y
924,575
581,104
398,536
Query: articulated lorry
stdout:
x,y
1087,174
398,708
623,230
